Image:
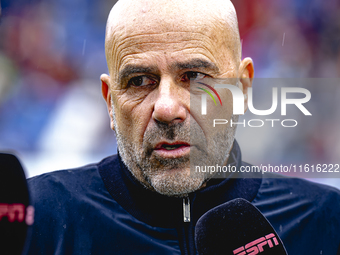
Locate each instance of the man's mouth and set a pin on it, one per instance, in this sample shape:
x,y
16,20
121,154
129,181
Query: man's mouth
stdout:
x,y
172,150
171,147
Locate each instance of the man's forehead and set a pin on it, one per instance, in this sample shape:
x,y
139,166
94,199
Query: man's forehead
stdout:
x,y
205,25
142,16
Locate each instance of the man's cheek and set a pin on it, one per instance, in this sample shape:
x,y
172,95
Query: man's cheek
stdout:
x,y
122,109
133,120
125,104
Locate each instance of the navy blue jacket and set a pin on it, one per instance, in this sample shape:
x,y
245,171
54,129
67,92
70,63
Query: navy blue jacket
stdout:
x,y
101,209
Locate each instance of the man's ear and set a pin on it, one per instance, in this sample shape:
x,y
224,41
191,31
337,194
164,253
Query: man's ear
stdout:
x,y
246,75
105,79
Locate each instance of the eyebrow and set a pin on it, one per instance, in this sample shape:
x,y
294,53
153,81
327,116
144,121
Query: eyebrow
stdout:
x,y
196,63
131,69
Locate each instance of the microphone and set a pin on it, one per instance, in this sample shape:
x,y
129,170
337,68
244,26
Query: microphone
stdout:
x,y
15,212
236,228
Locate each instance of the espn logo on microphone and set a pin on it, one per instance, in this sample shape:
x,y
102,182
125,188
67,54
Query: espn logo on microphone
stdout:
x,y
17,212
258,245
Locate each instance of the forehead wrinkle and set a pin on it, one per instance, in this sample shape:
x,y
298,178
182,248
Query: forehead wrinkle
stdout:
x,y
122,48
208,61
162,38
211,29
161,47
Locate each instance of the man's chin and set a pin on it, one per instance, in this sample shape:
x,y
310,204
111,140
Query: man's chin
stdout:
x,y
175,182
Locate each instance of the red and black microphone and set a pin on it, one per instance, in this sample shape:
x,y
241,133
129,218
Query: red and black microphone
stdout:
x,y
16,213
236,228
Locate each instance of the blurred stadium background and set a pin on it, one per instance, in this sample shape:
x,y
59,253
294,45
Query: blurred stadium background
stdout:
x,y
52,54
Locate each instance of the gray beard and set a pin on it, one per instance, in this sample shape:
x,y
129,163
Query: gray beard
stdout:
x,y
172,176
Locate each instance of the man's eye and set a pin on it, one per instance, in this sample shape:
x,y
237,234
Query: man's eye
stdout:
x,y
193,76
141,81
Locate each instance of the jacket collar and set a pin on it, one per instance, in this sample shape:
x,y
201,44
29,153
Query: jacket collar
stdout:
x,y
163,211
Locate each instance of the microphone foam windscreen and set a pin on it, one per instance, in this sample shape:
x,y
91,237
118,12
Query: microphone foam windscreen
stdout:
x,y
237,228
15,212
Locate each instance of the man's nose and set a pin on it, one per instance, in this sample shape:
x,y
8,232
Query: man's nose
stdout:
x,y
170,105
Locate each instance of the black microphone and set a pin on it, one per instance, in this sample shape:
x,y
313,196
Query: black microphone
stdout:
x,y
15,212
237,228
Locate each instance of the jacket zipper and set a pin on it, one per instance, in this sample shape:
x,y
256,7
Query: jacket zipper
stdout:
x,y
187,227
186,209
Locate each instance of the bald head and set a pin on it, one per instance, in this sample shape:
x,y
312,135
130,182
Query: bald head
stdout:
x,y
213,20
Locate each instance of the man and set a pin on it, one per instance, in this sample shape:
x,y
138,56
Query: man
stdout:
x,y
145,200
